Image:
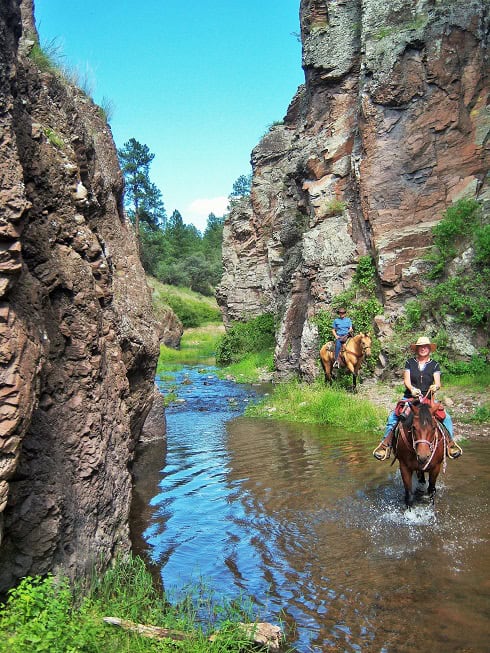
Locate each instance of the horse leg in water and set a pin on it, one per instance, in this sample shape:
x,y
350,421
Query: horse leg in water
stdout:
x,y
433,474
419,490
407,473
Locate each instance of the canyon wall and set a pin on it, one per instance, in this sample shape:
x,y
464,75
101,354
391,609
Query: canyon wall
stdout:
x,y
78,343
390,127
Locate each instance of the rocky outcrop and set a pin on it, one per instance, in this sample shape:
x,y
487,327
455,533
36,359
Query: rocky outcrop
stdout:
x,y
78,343
390,127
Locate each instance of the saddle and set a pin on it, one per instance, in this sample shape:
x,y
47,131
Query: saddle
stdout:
x,y
403,410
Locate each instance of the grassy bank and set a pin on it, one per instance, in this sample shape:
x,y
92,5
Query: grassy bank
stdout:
x,y
47,615
193,309
197,347
315,403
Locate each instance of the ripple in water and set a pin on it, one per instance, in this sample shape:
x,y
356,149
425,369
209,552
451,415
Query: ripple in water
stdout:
x,y
304,521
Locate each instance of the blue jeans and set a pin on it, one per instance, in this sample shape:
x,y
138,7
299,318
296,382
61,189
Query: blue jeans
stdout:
x,y
338,345
393,421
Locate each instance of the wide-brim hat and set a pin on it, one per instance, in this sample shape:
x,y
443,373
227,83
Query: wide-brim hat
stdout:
x,y
421,342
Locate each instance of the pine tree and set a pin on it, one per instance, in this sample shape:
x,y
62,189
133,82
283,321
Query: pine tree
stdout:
x,y
142,198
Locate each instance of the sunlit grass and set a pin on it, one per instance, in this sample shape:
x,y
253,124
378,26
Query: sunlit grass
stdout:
x,y
197,347
477,381
251,369
46,614
316,404
192,309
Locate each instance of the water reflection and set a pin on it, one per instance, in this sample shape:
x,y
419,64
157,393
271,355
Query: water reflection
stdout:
x,y
306,522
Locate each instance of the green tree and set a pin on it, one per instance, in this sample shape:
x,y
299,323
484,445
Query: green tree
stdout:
x,y
184,239
242,186
142,198
213,237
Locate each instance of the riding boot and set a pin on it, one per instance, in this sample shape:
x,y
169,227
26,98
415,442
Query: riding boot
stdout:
x,y
383,450
453,449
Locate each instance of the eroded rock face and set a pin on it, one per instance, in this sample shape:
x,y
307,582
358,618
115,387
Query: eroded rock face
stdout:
x,y
390,127
78,344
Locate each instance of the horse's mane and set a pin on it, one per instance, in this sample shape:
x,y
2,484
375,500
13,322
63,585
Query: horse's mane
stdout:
x,y
425,416
360,336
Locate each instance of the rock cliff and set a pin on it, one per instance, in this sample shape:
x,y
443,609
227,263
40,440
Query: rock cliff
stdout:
x,y
78,344
390,127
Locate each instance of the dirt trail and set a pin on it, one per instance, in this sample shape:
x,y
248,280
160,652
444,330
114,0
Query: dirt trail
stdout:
x,y
458,401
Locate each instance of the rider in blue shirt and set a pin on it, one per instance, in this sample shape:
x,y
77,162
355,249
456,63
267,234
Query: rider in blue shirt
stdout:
x,y
341,329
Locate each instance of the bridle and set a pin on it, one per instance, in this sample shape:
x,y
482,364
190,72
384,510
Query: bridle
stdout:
x,y
433,444
364,348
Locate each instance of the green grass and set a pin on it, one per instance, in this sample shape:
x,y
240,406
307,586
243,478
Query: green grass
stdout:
x,y
251,369
47,615
317,404
198,346
191,308
469,381
481,414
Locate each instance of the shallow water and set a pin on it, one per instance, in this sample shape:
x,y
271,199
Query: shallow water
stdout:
x,y
305,521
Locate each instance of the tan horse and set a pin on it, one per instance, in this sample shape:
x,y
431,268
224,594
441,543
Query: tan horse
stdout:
x,y
352,354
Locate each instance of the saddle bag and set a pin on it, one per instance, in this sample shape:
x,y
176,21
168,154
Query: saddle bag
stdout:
x,y
403,410
440,413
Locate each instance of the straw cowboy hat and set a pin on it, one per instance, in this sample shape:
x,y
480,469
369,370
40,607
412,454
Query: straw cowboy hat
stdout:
x,y
421,342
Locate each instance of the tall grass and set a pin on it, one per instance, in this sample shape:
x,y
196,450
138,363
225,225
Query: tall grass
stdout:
x,y
317,404
46,615
191,308
197,347
252,368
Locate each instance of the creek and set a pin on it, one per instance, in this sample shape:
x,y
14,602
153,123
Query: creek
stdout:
x,y
304,521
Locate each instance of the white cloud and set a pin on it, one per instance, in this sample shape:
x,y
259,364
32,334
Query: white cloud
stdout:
x,y
198,210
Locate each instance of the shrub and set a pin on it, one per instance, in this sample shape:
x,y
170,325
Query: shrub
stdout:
x,y
36,617
243,338
54,138
482,245
358,299
461,294
459,221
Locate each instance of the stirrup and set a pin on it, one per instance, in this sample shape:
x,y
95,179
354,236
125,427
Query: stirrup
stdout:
x,y
454,451
382,451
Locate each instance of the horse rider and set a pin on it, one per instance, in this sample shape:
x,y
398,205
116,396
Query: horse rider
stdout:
x,y
341,328
421,376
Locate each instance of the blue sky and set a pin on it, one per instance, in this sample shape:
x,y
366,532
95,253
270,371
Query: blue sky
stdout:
x,y
199,82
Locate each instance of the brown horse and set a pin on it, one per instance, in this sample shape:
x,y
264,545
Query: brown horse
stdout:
x,y
420,447
352,354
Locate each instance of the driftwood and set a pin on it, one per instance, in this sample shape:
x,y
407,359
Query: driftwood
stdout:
x,y
262,633
148,631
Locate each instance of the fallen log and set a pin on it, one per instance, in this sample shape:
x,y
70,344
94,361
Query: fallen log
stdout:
x,y
155,632
261,633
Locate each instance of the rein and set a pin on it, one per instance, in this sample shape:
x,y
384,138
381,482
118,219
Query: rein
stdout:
x,y
432,445
412,445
